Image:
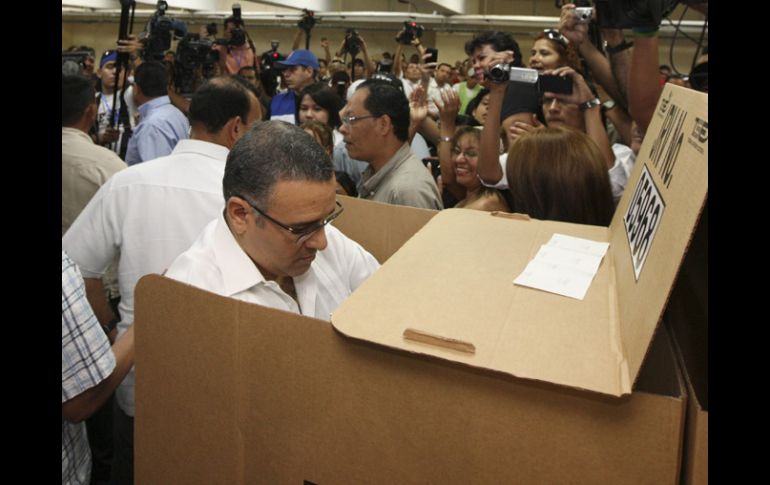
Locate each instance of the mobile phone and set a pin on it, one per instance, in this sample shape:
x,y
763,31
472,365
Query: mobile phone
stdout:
x,y
435,168
555,84
433,57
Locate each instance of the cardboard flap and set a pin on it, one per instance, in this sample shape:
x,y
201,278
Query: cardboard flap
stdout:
x,y
655,220
453,281
449,293
380,228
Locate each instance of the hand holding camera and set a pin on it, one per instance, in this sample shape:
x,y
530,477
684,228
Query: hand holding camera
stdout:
x,y
579,93
574,25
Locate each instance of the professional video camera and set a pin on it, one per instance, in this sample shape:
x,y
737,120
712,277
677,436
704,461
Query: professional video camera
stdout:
x,y
193,52
627,14
308,20
411,31
269,76
237,33
352,44
159,31
74,62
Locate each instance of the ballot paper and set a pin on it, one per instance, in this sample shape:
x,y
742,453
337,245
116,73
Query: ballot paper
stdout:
x,y
565,265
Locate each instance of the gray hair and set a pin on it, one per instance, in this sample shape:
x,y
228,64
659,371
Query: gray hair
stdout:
x,y
269,152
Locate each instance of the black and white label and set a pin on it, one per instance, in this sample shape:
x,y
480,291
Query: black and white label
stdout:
x,y
642,219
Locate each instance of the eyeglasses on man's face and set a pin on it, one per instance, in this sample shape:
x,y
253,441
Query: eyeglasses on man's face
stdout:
x,y
349,120
302,232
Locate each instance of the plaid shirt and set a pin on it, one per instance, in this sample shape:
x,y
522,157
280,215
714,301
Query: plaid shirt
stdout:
x,y
86,360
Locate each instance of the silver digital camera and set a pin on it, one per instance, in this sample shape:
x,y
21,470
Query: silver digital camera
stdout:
x,y
544,82
583,14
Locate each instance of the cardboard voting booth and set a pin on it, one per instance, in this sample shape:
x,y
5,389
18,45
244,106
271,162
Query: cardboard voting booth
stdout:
x,y
514,385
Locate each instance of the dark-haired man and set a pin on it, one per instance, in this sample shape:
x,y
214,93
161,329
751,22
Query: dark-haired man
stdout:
x,y
274,245
238,52
375,125
161,124
151,212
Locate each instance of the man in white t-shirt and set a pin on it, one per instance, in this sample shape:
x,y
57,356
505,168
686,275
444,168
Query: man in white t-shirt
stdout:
x,y
273,245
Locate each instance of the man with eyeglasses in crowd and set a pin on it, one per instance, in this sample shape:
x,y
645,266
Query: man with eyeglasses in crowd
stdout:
x,y
375,127
273,244
149,213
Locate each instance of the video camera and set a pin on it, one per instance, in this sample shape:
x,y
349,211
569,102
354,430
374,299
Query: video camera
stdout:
x,y
308,20
411,31
554,84
74,62
159,33
237,33
627,14
191,52
268,76
352,44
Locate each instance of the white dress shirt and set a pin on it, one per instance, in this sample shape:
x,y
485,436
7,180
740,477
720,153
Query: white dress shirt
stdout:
x,y
215,262
148,214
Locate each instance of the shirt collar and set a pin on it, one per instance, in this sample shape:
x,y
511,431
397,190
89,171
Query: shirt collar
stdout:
x,y
239,272
373,181
68,131
152,104
200,147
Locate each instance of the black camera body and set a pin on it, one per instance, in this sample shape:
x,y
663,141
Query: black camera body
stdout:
x,y
193,52
352,43
627,14
74,62
160,30
308,20
544,82
411,31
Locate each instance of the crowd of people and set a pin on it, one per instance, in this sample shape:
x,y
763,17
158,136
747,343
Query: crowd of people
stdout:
x,y
233,188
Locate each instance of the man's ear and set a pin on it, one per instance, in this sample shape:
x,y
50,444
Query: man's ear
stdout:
x,y
91,112
384,125
238,211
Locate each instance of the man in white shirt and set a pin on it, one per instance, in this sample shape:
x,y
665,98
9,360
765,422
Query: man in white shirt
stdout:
x,y
149,213
273,245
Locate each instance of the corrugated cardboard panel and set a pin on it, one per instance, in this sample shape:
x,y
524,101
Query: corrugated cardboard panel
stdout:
x,y
454,279
187,422
380,228
314,405
671,177
687,317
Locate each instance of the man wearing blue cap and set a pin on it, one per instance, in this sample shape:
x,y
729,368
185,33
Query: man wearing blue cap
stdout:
x,y
298,70
107,135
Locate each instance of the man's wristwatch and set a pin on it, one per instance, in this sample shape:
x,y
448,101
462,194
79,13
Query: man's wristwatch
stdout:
x,y
591,103
608,105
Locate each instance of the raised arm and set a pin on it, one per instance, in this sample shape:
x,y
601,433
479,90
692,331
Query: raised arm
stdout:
x,y
448,108
581,94
643,78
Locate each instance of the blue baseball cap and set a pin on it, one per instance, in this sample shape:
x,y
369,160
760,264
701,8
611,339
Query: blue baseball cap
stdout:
x,y
107,57
299,57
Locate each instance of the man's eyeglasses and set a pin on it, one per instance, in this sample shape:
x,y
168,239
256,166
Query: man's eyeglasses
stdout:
x,y
554,34
305,231
349,120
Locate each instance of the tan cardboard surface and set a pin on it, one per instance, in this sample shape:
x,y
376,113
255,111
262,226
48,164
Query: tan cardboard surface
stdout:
x,y
675,154
380,228
233,393
454,278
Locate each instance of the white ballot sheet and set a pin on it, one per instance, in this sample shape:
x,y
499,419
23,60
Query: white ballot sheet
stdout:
x,y
565,265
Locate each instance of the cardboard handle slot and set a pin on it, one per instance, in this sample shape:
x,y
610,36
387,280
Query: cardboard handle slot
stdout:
x,y
439,341
507,215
